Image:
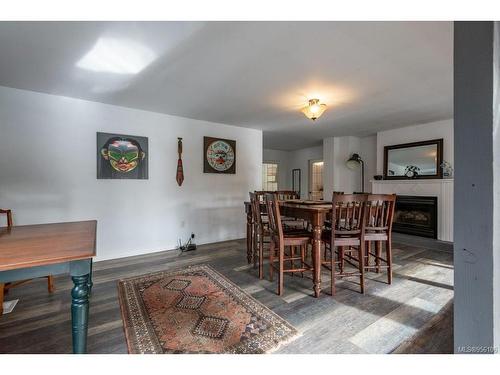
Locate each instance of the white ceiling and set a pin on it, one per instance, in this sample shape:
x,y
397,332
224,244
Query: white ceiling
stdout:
x,y
372,75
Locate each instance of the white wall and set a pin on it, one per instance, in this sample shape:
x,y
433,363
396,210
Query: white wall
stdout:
x,y
300,159
281,158
48,173
336,151
289,160
423,132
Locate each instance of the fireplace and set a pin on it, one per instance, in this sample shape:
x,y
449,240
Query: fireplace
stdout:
x,y
416,215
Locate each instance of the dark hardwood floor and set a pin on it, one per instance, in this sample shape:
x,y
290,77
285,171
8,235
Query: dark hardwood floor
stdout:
x,y
381,321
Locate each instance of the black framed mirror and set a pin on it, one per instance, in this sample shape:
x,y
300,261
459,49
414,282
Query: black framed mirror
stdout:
x,y
414,160
296,181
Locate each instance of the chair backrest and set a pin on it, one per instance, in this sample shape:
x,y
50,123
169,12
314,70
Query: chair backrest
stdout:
x,y
360,192
380,212
287,194
260,194
8,213
256,211
274,217
338,192
348,213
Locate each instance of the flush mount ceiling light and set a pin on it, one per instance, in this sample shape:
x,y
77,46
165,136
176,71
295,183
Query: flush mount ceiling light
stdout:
x,y
314,110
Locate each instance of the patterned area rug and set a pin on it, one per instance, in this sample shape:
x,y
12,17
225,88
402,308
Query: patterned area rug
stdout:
x,y
197,310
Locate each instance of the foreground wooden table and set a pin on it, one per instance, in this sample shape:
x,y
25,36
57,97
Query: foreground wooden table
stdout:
x,y
313,212
32,251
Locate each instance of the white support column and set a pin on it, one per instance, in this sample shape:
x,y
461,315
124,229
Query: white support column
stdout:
x,y
336,175
328,167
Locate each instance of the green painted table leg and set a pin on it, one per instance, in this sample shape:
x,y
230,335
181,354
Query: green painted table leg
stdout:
x,y
80,312
91,283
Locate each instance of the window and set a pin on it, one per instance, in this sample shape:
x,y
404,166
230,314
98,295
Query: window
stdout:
x,y
269,176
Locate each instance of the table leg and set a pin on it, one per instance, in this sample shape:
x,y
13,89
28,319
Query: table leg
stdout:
x,y
91,283
1,298
316,252
249,238
80,312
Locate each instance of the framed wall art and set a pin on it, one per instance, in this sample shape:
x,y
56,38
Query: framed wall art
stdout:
x,y
122,156
219,155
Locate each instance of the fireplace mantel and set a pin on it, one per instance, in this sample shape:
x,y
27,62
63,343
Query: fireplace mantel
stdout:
x,y
440,188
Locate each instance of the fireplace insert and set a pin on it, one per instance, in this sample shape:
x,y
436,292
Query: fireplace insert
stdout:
x,y
416,215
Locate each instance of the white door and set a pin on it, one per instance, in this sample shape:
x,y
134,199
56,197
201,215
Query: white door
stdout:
x,y
316,180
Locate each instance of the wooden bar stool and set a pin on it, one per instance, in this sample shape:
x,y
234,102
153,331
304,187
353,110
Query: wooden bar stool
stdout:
x,y
346,237
284,195
261,231
4,288
379,217
281,240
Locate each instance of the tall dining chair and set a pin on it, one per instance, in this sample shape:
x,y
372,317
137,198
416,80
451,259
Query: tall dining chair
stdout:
x,y
345,239
291,222
379,218
260,232
4,288
282,241
284,195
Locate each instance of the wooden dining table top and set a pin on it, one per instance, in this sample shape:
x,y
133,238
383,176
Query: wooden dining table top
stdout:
x,y
304,204
42,244
307,204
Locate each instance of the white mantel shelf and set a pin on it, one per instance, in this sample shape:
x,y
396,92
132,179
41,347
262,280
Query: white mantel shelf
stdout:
x,y
415,181
440,188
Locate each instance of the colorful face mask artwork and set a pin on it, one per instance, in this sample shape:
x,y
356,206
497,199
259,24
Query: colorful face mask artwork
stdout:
x,y
122,157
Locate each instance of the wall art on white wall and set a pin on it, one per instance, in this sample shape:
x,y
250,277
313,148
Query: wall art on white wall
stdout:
x,y
219,155
122,156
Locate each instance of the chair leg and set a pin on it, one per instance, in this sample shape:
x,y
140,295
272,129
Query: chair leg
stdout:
x,y
1,298
332,272
292,255
378,253
367,255
388,249
362,266
271,260
261,257
255,244
341,258
50,284
302,258
281,267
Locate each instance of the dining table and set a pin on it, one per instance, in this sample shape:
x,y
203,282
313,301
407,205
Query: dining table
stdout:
x,y
31,251
314,212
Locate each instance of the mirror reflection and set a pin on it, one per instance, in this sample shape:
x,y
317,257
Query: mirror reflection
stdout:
x,y
413,161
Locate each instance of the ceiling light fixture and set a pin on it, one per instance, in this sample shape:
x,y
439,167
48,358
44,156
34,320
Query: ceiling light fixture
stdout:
x,y
314,110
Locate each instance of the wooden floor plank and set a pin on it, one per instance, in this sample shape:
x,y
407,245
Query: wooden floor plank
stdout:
x,y
348,323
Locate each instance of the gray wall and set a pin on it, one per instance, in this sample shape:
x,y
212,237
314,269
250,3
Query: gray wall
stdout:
x,y
474,248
